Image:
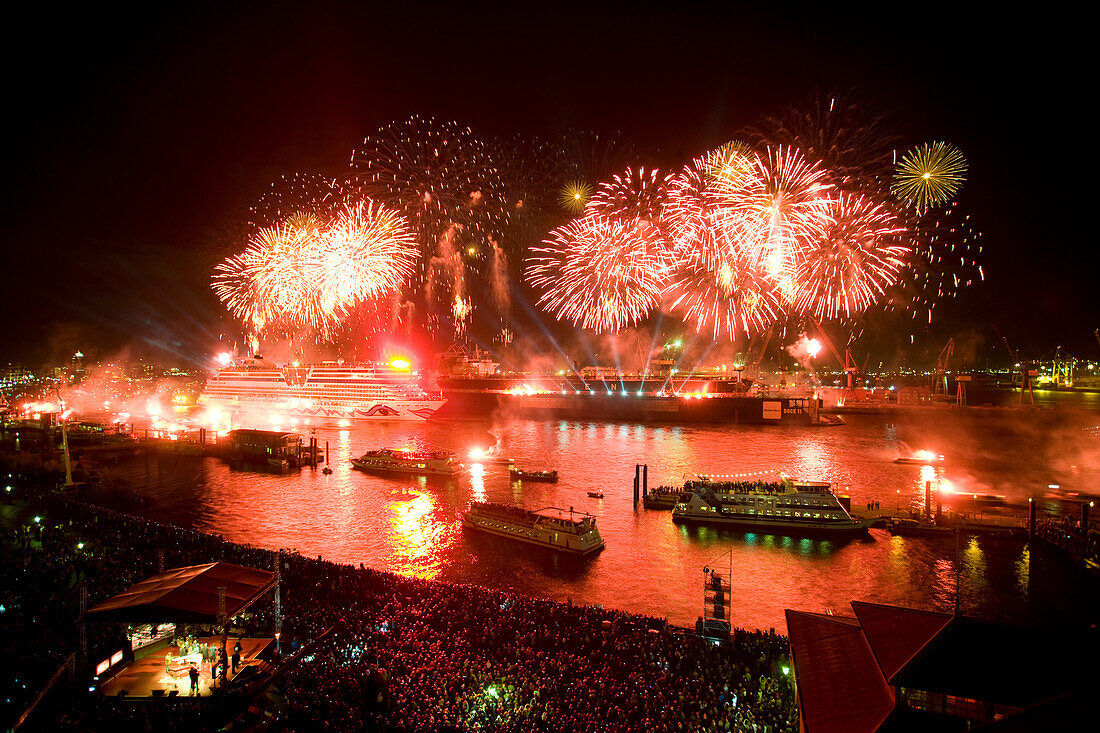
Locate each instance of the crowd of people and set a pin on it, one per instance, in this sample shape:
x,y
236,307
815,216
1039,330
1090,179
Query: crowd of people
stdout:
x,y
382,652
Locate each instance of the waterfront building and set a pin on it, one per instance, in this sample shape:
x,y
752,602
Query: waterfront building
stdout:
x,y
888,668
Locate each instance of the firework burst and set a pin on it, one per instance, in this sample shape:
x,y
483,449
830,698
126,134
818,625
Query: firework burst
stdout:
x,y
723,293
929,175
634,195
849,269
309,274
602,274
439,175
574,196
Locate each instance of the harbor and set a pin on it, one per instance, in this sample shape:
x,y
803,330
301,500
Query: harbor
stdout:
x,y
409,524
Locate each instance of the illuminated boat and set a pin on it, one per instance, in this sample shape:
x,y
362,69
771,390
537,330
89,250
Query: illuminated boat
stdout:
x,y
258,390
598,494
920,458
550,477
565,531
782,507
419,463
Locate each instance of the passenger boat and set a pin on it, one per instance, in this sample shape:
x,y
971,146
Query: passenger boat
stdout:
x,y
920,458
565,531
912,527
420,463
545,476
598,494
783,506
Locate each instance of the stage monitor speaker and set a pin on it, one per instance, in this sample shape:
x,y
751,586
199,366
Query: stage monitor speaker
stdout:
x,y
157,692
173,693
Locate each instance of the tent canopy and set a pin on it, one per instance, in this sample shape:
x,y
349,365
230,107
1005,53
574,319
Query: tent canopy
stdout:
x,y
187,595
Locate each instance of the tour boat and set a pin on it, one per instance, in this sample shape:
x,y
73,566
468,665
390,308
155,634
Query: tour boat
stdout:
x,y
565,531
598,494
545,476
782,506
420,463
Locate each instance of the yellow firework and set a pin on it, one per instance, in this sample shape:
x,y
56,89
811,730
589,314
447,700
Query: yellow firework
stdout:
x,y
574,196
929,175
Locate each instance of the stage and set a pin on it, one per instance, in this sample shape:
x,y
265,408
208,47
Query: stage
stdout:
x,y
143,676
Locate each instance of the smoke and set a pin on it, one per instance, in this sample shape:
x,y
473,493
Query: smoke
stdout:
x,y
498,278
446,282
804,350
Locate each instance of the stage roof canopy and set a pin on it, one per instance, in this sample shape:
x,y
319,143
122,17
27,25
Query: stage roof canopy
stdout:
x,y
187,595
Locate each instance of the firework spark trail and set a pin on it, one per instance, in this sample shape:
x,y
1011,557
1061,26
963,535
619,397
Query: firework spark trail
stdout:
x,y
849,269
600,274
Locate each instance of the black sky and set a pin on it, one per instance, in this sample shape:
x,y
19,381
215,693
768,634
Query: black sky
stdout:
x,y
136,138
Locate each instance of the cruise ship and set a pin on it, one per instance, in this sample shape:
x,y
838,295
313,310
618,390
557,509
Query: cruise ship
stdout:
x,y
328,390
782,506
565,531
419,463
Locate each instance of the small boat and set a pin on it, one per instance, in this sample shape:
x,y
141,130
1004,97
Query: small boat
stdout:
x,y
421,463
546,476
326,470
920,458
596,494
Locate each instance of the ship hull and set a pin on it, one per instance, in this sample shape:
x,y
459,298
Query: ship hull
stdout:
x,y
788,529
627,406
403,470
472,523
410,410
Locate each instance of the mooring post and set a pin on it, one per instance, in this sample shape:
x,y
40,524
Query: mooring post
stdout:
x,y
927,500
645,479
1030,518
636,475
326,452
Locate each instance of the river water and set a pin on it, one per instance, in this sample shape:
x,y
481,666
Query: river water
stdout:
x,y
651,565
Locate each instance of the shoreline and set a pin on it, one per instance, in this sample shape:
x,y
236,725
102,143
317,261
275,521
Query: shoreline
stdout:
x,y
437,645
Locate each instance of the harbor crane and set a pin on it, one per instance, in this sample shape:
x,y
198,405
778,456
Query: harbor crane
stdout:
x,y
1027,391
852,370
942,362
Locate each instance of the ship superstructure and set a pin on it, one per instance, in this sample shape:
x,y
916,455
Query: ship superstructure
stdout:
x,y
781,506
331,389
565,531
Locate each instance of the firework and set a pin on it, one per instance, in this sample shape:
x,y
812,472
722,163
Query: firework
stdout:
x,y
929,175
437,174
723,292
634,195
599,273
574,196
849,269
773,209
306,273
946,250
852,138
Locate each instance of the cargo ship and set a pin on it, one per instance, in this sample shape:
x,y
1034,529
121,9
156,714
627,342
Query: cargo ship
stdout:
x,y
782,506
474,386
328,390
565,531
418,463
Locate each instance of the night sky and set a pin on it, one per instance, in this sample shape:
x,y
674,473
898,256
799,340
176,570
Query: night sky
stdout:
x,y
137,140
